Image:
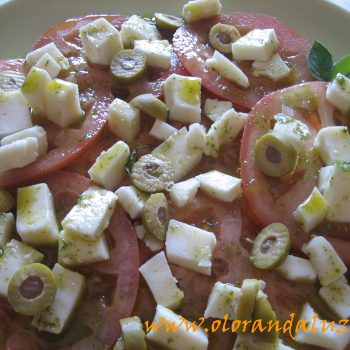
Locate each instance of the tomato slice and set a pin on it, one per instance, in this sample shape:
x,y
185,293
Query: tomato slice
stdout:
x,y
191,45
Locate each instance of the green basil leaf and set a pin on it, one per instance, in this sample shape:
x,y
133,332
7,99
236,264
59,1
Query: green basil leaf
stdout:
x,y
320,62
134,155
342,66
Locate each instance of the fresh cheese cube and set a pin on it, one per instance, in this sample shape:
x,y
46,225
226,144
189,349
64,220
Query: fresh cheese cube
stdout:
x,y
224,131
151,242
297,269
101,41
214,108
70,289
74,250
157,52
36,219
182,193
312,211
36,131
179,339
227,69
7,224
48,64
132,200
220,186
123,120
257,45
333,144
90,216
161,282
324,177
338,93
108,170
189,246
161,130
196,137
274,68
176,149
14,256
136,28
325,260
199,9
320,332
182,96
18,153
222,300
14,113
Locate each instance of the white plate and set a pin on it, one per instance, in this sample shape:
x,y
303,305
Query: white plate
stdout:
x,y
22,21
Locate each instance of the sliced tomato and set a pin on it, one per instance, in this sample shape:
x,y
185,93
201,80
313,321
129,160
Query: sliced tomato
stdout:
x,y
191,45
21,339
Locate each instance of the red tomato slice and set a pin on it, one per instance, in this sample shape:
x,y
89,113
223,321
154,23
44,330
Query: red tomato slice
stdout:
x,y
191,45
21,339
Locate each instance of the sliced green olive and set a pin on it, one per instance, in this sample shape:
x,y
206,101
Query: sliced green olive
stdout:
x,y
152,174
155,215
128,66
32,289
133,333
7,201
151,105
168,22
271,246
221,37
11,81
275,157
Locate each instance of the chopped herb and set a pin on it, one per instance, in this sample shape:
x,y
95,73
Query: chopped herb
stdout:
x,y
134,155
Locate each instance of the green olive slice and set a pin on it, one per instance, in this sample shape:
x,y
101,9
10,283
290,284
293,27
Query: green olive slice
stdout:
x,y
7,201
275,157
152,174
221,37
31,289
151,105
168,22
133,333
128,66
11,81
155,215
271,246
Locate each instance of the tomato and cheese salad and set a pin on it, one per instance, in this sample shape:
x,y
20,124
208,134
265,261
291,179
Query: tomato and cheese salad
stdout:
x,y
174,170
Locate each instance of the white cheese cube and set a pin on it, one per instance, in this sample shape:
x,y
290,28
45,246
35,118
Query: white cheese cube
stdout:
x,y
297,269
257,45
337,296
70,289
182,96
36,219
227,69
320,332
274,68
161,282
14,113
101,41
108,170
132,200
15,255
90,216
161,130
182,193
214,108
74,250
223,131
7,224
123,120
157,52
325,260
136,28
196,137
179,339
222,301
221,186
312,211
189,246
176,149
324,177
333,144
199,9
338,93
48,64
151,242
36,131
18,153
